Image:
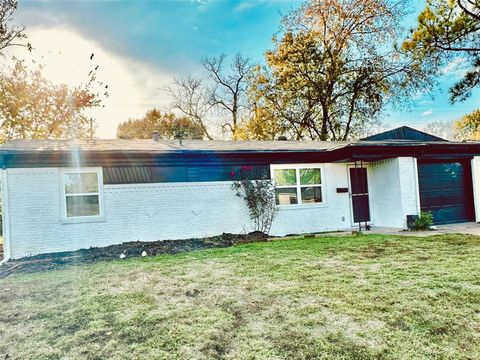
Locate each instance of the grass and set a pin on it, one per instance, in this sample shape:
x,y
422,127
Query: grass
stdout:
x,y
358,297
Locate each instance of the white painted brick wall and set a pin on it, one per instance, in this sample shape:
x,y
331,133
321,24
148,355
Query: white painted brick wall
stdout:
x,y
409,187
334,214
393,191
150,212
476,185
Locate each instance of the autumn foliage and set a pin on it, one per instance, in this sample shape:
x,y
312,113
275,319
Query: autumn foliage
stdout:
x,y
332,70
31,107
168,125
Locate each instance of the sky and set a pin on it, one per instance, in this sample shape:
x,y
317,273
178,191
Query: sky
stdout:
x,y
140,46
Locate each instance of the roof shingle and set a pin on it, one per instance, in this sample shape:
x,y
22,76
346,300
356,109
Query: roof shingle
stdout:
x,y
162,146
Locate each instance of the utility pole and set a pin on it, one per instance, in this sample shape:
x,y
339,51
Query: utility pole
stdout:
x,y
91,128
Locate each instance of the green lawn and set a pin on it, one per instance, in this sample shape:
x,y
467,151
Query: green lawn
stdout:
x,y
357,297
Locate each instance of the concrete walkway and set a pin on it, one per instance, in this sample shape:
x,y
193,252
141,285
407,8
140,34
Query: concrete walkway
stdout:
x,y
471,228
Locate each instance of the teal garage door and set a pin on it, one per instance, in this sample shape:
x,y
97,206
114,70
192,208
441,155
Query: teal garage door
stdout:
x,y
446,191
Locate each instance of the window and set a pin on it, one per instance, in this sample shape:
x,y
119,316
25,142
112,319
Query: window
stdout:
x,y
297,184
82,197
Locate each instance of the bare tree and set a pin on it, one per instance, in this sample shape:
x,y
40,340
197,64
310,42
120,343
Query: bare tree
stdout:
x,y
228,92
10,35
443,129
189,96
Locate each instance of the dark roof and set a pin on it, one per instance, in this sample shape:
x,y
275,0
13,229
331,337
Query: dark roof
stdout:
x,y
403,133
167,146
120,152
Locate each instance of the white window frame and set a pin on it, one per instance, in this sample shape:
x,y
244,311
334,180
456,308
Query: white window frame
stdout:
x,y
63,196
298,186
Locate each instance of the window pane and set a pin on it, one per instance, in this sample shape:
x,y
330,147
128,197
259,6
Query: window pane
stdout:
x,y
286,196
310,177
311,194
284,177
81,183
82,206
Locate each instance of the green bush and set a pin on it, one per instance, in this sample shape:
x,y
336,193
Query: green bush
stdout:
x,y
259,196
423,222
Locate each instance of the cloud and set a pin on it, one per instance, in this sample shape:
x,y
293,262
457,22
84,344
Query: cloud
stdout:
x,y
201,5
427,113
418,95
248,4
424,102
456,67
134,86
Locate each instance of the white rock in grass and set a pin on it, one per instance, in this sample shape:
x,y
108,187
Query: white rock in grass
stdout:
x,y
123,256
144,253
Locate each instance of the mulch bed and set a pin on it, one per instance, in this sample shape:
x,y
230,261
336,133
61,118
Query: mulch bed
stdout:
x,y
54,261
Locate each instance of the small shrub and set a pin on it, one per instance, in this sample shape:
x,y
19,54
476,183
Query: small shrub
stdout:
x,y
423,222
260,198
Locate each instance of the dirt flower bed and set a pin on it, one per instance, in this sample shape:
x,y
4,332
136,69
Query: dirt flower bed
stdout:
x,y
53,261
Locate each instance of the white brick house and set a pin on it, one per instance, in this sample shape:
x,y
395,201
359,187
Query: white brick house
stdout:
x,y
61,195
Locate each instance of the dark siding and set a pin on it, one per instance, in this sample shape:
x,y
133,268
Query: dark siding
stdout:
x,y
227,173
160,174
168,174
209,173
126,175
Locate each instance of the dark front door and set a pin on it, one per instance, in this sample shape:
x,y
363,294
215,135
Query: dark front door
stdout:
x,y
359,192
446,191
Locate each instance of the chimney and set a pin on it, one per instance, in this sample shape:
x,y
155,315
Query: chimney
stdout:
x,y
155,136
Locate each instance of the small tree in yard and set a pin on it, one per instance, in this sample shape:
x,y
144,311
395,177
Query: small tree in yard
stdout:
x,y
260,198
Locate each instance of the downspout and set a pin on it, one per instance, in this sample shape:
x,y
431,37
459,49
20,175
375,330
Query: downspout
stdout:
x,y
5,218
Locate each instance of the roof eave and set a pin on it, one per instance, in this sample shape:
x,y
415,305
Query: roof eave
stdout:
x,y
367,151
